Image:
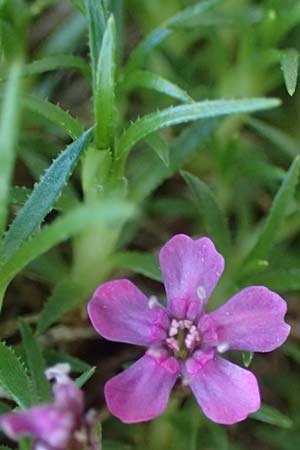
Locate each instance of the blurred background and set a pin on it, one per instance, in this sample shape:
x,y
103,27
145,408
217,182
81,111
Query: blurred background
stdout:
x,y
234,49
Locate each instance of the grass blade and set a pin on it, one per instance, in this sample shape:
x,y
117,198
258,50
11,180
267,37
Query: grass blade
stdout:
x,y
43,197
104,95
36,364
213,217
186,113
276,215
9,127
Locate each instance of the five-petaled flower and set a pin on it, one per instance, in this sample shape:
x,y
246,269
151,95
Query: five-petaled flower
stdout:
x,y
185,341
60,425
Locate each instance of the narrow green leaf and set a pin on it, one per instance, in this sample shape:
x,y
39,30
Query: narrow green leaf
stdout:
x,y
96,15
153,81
13,376
65,296
43,197
4,408
211,213
36,364
9,129
270,415
282,280
53,357
160,147
104,95
80,381
247,358
142,50
292,350
147,171
63,228
289,66
53,113
186,113
143,263
277,213
57,62
277,137
183,18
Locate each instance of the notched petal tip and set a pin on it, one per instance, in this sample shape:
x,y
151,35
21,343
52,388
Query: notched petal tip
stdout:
x,y
191,268
252,320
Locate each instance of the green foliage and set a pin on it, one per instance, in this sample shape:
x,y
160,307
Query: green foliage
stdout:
x,y
121,69
211,213
104,93
272,416
36,364
186,113
13,376
42,198
9,125
289,66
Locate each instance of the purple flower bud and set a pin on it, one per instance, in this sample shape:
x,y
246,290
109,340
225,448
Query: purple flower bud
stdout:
x,y
57,426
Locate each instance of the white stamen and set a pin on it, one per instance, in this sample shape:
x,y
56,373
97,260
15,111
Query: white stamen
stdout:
x,y
173,331
188,324
152,301
59,372
201,293
186,381
181,324
154,352
173,344
223,347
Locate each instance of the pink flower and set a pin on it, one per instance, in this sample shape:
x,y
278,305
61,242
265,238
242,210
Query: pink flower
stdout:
x,y
185,341
57,426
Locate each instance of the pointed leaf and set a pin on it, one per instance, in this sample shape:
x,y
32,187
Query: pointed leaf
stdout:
x,y
96,15
80,381
275,136
9,129
13,376
143,263
153,81
43,197
57,62
160,147
186,113
289,66
270,415
36,364
277,213
104,94
148,171
183,18
211,213
247,358
63,228
53,113
65,296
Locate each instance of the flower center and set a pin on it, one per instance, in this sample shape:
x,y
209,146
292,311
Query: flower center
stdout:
x,y
182,338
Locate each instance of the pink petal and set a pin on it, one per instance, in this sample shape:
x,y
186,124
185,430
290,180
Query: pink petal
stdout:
x,y
49,424
142,392
252,320
121,312
225,392
190,268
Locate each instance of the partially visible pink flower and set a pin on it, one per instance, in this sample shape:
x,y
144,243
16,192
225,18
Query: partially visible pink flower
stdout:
x,y
60,425
184,341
